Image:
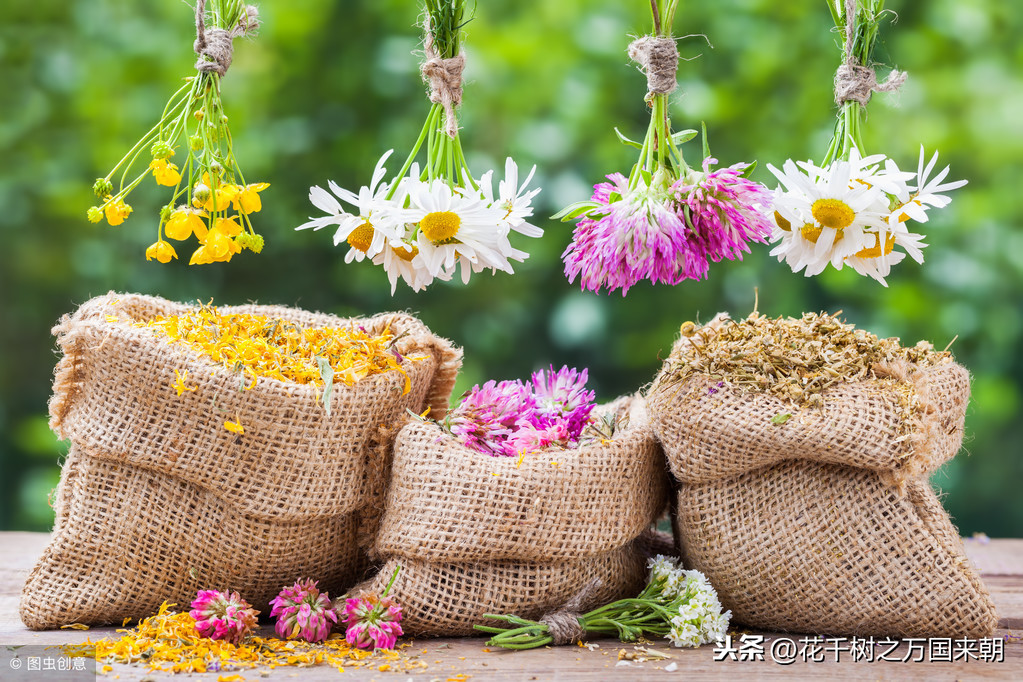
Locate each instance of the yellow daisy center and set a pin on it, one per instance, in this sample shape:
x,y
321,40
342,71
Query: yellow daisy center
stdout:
x,y
361,237
440,226
876,251
812,233
782,223
833,213
407,252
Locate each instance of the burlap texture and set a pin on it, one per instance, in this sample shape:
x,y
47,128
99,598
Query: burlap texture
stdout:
x,y
710,431
127,538
448,503
825,523
158,499
830,549
446,600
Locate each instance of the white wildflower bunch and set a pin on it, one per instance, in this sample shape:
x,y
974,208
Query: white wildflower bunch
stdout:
x,y
437,221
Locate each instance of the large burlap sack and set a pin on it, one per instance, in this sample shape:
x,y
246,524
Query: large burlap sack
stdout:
x,y
446,599
158,499
824,521
448,503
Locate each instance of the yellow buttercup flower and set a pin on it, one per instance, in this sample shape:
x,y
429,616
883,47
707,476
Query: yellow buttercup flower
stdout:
x,y
184,222
228,226
222,196
248,200
117,211
161,251
165,173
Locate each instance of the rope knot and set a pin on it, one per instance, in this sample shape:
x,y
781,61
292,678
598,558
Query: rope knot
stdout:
x,y
445,79
856,83
563,624
215,46
658,59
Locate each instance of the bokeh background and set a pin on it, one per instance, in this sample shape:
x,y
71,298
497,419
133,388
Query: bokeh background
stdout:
x,y
331,84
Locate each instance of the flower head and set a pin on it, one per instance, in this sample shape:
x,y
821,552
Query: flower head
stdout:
x,y
166,173
161,251
372,622
223,615
696,617
724,212
184,222
562,399
303,612
633,234
117,211
489,414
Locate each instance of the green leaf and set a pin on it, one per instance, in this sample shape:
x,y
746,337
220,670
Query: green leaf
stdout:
x,y
780,418
706,145
749,170
684,136
327,374
573,211
625,140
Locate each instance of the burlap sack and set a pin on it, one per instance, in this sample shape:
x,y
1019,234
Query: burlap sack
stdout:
x,y
824,523
158,499
447,503
446,600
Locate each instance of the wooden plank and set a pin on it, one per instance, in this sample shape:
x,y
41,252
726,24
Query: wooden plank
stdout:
x,y
1000,562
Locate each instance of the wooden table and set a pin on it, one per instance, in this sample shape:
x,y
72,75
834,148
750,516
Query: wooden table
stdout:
x,y
1000,563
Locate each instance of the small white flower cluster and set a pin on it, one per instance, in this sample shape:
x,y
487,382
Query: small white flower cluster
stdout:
x,y
700,619
854,213
422,230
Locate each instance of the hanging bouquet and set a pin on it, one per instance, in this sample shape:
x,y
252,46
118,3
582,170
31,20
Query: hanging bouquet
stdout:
x,y
665,222
678,605
513,418
854,209
215,203
425,222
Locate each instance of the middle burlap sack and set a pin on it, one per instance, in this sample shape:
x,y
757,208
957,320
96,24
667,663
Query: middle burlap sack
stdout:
x,y
477,534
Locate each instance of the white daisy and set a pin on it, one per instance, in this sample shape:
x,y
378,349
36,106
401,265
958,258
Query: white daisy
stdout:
x,y
455,227
512,198
366,229
876,261
827,216
401,259
928,192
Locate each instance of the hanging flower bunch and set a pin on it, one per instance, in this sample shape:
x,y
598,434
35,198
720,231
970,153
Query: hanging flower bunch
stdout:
x,y
210,198
854,209
665,222
512,418
425,222
679,605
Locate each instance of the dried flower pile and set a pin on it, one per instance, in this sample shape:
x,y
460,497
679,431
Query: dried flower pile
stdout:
x,y
679,605
795,359
169,642
211,184
257,346
513,418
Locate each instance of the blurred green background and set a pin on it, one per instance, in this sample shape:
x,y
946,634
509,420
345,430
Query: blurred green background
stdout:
x,y
328,86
